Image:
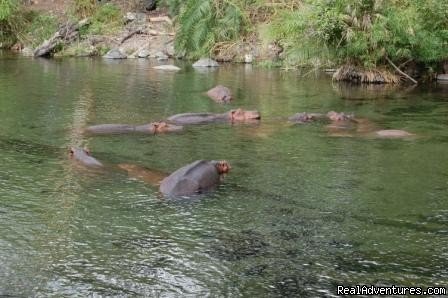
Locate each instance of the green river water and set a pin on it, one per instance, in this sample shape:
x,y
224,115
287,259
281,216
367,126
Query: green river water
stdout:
x,y
301,212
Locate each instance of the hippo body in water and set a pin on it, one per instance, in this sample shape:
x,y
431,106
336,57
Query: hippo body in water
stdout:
x,y
220,94
197,177
83,157
238,115
301,118
152,128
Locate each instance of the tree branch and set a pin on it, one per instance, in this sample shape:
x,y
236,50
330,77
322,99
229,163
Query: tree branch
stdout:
x,y
399,71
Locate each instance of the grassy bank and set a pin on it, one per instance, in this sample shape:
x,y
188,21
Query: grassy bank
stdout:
x,y
373,41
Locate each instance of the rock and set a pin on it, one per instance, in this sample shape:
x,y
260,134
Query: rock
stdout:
x,y
442,77
170,50
393,133
206,62
167,67
161,56
28,52
248,58
220,94
135,17
143,53
115,54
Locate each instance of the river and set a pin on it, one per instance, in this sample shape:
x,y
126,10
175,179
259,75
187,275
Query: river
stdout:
x,y
301,212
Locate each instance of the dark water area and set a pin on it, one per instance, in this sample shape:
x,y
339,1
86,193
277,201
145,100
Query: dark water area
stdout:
x,y
302,211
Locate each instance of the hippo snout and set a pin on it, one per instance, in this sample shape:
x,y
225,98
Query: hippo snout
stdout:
x,y
253,115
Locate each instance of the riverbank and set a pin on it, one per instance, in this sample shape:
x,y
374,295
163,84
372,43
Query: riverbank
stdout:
x,y
265,34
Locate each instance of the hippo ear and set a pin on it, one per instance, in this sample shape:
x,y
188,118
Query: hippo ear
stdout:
x,y
71,152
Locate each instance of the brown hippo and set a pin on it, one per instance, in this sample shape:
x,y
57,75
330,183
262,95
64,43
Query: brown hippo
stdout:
x,y
197,177
83,157
393,133
152,128
238,115
220,94
305,117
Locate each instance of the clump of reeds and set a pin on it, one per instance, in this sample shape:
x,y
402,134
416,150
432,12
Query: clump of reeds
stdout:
x,y
356,74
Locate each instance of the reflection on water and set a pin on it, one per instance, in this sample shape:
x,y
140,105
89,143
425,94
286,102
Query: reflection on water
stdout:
x,y
300,213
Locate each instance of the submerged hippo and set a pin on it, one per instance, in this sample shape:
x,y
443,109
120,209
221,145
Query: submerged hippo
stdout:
x,y
305,117
220,94
238,115
83,156
335,116
393,133
152,128
197,177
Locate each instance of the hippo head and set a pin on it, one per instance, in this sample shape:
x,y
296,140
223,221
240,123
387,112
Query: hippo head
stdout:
x,y
162,126
335,116
242,115
303,117
73,152
222,167
159,127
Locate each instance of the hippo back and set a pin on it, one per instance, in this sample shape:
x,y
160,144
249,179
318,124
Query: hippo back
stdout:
x,y
110,129
195,118
191,179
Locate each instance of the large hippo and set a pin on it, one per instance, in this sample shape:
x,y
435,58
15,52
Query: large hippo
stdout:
x,y
152,128
238,115
197,177
220,94
83,157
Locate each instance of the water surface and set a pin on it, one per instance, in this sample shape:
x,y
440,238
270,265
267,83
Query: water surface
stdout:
x,y
301,212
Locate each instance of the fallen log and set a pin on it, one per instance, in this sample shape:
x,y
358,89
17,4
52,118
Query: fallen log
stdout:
x,y
65,35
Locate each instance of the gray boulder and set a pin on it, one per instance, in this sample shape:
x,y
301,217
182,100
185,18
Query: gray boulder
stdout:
x,y
28,52
442,77
206,62
161,56
115,54
143,53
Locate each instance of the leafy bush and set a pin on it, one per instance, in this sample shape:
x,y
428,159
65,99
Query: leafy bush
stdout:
x,y
39,28
365,32
106,19
84,8
204,23
11,22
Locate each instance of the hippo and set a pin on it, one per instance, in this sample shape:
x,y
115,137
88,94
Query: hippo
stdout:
x,y
83,156
393,133
220,94
335,116
238,115
194,178
152,128
305,117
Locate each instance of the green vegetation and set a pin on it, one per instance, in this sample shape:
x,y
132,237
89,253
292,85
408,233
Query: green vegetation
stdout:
x,y
83,8
39,28
366,34
11,22
106,19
